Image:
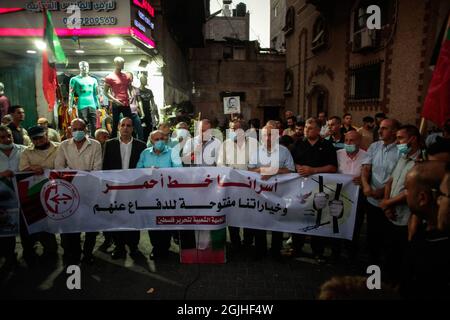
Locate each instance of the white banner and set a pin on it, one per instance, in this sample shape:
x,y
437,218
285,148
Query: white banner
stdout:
x,y
206,198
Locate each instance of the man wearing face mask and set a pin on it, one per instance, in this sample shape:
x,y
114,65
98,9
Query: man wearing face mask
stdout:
x,y
394,203
159,155
9,163
78,153
37,158
350,160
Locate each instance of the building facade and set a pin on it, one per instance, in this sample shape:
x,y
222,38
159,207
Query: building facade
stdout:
x,y
334,63
277,22
237,68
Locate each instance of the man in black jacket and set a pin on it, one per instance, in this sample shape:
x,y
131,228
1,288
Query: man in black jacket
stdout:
x,y
123,153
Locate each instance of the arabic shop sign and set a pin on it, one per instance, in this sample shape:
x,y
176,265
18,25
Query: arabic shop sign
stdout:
x,y
37,6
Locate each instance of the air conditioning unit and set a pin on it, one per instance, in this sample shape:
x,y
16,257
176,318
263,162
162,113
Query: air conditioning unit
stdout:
x,y
365,39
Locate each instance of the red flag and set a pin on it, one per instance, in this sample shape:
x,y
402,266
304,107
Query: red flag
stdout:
x,y
53,53
49,80
437,102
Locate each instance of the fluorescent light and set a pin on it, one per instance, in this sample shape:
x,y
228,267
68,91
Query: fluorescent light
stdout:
x,y
79,51
41,45
31,51
129,50
115,41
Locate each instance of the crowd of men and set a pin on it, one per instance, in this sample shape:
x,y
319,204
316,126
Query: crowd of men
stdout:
x,y
404,185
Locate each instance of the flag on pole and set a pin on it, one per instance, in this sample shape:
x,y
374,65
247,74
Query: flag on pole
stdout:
x,y
53,54
437,102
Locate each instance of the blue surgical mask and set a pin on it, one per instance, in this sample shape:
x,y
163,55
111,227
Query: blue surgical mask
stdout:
x,y
6,146
159,145
403,148
350,148
78,135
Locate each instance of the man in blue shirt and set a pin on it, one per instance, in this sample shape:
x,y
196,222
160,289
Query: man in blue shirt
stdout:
x,y
382,156
159,155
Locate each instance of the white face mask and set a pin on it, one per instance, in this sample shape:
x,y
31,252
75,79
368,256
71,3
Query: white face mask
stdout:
x,y
182,133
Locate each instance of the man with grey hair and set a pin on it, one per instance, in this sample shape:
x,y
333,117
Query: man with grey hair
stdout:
x,y
270,160
117,88
313,155
85,154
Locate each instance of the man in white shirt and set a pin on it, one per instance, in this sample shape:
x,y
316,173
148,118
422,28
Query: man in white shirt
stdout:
x,y
350,161
78,153
235,153
9,163
203,149
270,160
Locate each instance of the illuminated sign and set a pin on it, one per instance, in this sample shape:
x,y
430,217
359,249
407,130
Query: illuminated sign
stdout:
x,y
146,6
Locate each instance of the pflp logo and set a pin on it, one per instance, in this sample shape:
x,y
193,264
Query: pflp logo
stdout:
x,y
60,199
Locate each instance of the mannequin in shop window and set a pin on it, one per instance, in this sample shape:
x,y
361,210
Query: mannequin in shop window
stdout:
x,y
4,102
150,119
117,88
86,88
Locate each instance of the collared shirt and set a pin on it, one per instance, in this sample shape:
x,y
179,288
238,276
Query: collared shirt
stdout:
x,y
234,155
11,162
348,165
320,154
207,155
279,156
166,159
383,159
403,166
125,153
44,158
87,158
53,135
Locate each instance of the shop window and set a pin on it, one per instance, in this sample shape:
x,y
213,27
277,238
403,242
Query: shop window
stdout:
x,y
320,34
365,82
289,21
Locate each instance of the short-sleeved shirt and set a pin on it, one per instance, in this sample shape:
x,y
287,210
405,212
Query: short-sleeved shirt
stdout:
x,y
348,165
383,159
166,159
320,154
119,84
86,89
404,165
264,158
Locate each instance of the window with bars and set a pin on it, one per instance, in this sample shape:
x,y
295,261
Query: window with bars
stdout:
x,y
365,82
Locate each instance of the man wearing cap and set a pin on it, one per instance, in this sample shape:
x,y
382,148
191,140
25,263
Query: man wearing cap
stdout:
x,y
38,157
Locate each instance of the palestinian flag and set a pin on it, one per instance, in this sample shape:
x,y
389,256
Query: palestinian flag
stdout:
x,y
437,102
52,55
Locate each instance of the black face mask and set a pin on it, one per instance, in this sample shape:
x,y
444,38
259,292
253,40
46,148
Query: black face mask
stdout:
x,y
43,147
